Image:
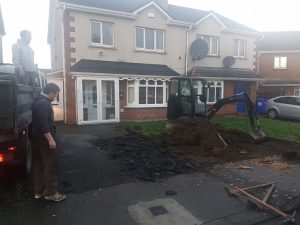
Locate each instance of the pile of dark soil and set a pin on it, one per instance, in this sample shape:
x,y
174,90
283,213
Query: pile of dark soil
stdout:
x,y
144,159
195,132
200,141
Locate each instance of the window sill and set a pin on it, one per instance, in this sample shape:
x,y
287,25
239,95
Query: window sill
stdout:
x,y
149,51
145,106
102,46
213,56
279,68
240,58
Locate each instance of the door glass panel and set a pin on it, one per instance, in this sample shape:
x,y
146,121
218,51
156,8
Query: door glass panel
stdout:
x,y
108,100
90,100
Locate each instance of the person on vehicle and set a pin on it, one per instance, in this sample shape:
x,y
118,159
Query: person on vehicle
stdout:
x,y
44,146
23,59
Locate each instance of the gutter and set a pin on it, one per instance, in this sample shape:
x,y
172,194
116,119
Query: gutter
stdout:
x,y
233,79
120,76
99,11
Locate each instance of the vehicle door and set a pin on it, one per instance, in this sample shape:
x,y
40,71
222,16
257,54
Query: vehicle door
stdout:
x,y
295,108
284,106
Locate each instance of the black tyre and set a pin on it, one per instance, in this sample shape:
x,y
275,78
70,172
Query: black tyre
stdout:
x,y
272,114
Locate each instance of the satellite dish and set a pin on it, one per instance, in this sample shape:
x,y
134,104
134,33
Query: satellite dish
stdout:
x,y
199,49
228,61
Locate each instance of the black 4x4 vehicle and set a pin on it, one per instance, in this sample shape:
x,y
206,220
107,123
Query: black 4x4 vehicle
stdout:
x,y
15,118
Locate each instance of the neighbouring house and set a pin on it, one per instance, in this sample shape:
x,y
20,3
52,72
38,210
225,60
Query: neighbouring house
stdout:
x,y
2,33
279,58
113,59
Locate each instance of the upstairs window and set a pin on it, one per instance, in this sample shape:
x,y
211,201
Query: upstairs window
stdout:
x,y
280,62
240,48
150,39
213,44
102,33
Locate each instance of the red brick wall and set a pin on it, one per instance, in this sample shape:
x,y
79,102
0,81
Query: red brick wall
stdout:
x,y
138,113
160,113
289,90
266,66
230,109
70,83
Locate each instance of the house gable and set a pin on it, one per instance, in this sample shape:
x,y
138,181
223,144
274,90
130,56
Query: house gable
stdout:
x,y
151,17
153,5
211,16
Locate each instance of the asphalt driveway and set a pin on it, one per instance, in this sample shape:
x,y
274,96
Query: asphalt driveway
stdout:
x,y
101,192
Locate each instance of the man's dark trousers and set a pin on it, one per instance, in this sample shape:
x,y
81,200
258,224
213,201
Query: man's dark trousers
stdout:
x,y
44,167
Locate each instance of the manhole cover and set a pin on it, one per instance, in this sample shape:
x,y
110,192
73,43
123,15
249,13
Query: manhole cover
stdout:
x,y
158,210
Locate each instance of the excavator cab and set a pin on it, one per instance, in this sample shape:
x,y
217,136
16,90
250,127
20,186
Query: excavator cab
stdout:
x,y
188,97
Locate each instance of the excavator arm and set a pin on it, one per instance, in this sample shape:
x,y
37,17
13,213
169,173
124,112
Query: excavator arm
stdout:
x,y
256,133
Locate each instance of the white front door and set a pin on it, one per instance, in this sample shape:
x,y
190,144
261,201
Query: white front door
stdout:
x,y
98,100
58,104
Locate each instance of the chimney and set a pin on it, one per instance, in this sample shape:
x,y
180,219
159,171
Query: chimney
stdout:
x,y
163,3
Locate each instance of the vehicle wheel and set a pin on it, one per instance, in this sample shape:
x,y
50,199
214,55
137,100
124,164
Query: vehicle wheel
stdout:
x,y
272,114
28,158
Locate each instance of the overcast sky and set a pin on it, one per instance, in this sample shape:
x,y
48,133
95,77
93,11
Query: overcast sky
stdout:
x,y
262,15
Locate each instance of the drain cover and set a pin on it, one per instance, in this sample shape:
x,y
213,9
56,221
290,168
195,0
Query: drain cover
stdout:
x,y
158,210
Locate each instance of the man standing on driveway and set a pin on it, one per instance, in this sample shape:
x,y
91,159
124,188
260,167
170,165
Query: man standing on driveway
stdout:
x,y
44,146
23,59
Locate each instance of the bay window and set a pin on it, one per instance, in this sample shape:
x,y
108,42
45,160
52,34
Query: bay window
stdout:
x,y
215,91
147,93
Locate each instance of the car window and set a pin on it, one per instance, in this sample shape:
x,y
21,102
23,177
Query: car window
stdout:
x,y
284,100
297,101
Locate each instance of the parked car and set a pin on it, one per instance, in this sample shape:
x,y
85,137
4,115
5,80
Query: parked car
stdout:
x,y
284,106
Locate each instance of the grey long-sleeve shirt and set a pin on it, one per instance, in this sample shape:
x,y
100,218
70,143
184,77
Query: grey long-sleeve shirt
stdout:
x,y
23,56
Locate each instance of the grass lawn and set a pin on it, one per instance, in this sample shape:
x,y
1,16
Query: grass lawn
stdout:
x,y
273,128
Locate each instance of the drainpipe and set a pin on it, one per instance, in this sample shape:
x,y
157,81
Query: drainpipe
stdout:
x,y
63,7
187,49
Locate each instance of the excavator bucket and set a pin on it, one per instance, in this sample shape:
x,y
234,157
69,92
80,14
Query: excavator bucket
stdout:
x,y
258,135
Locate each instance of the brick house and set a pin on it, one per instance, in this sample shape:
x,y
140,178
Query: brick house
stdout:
x,y
113,59
2,33
279,57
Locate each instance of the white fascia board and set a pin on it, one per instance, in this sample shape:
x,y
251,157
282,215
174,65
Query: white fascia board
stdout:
x,y
255,34
211,14
101,11
153,4
120,76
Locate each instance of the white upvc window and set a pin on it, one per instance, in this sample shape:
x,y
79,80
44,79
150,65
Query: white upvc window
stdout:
x,y
102,33
240,48
213,44
215,91
280,62
297,91
150,39
147,93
